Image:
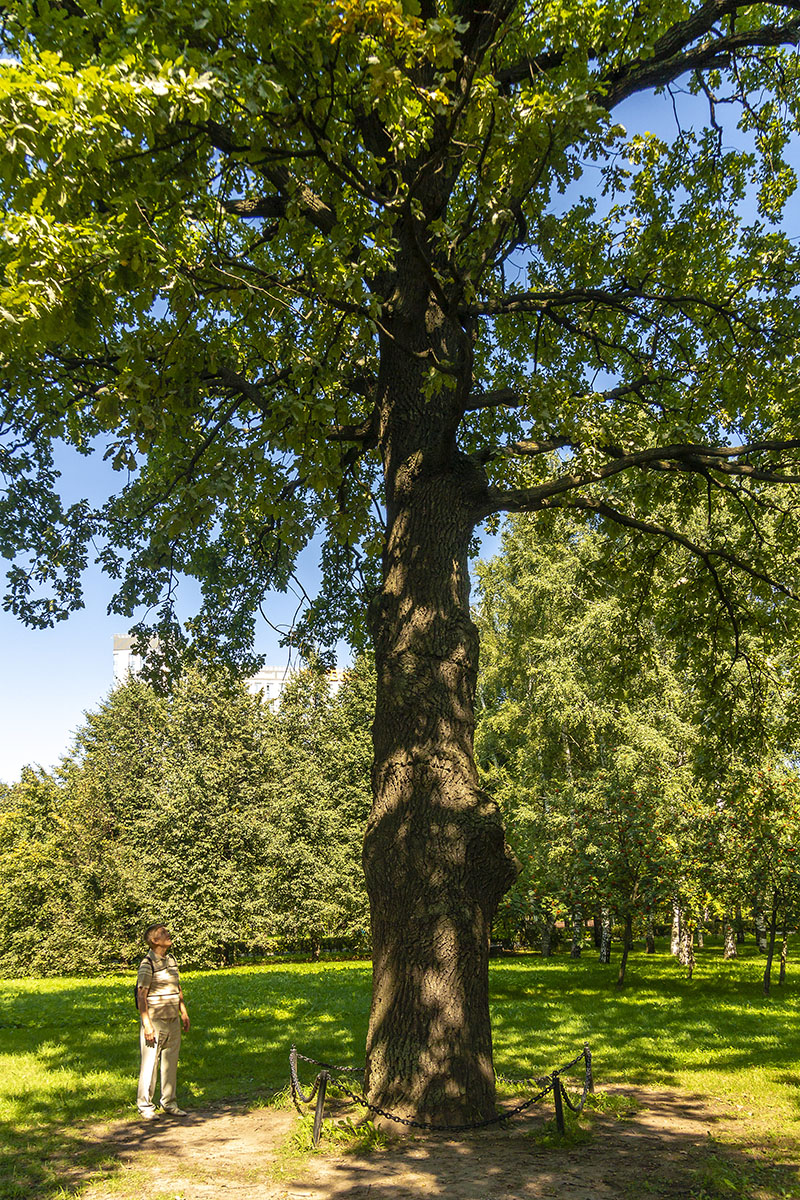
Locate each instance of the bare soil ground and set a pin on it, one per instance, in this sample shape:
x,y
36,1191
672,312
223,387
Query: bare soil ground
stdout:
x,y
673,1145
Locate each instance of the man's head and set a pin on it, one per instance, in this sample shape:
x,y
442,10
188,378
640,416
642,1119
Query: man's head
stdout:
x,y
158,938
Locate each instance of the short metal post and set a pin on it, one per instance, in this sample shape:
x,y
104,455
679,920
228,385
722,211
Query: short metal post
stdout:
x,y
322,1079
557,1102
590,1077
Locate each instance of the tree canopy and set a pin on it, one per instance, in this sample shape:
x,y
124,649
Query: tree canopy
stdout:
x,y
207,220
382,270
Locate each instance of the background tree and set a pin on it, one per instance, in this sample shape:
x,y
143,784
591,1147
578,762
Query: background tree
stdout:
x,y
583,734
239,827
619,752
317,806
325,266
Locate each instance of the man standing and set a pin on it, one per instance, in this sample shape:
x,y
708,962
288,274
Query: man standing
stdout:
x,y
163,1013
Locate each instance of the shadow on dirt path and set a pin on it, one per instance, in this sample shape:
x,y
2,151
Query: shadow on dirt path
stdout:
x,y
674,1146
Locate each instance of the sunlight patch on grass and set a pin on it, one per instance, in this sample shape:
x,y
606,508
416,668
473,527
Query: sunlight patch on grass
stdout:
x,y
69,1047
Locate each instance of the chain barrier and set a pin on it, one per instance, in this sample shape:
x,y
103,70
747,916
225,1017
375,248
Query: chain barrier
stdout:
x,y
547,1083
588,1084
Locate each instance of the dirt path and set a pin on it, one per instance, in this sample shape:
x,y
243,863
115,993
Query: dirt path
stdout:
x,y
665,1149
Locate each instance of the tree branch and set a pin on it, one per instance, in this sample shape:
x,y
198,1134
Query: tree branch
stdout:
x,y
270,207
366,432
602,509
501,398
654,73
254,392
671,55
316,211
689,457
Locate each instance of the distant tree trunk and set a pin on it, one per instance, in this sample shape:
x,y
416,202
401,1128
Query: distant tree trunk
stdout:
x,y
729,937
700,930
577,931
605,934
627,944
675,939
547,935
689,953
760,926
649,937
770,948
597,929
740,934
686,946
782,974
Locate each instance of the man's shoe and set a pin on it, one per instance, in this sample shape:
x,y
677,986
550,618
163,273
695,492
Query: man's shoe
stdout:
x,y
176,1112
149,1114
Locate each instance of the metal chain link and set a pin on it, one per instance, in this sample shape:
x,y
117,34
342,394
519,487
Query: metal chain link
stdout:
x,y
547,1084
408,1121
579,1107
330,1066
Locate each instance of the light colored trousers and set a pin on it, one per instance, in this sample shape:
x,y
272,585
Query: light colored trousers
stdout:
x,y
165,1051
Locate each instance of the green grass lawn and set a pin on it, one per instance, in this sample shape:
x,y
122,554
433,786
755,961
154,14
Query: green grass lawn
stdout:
x,y
69,1047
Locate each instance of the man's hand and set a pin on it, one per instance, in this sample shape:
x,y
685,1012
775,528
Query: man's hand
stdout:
x,y
149,1032
185,1022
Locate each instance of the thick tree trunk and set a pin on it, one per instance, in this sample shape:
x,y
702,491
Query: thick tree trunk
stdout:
x,y
760,926
435,857
597,929
729,937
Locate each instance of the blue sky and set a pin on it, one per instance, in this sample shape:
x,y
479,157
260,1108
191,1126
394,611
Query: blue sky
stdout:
x,y
50,678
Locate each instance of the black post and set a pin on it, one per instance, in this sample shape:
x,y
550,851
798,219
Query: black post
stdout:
x,y
557,1102
323,1085
590,1077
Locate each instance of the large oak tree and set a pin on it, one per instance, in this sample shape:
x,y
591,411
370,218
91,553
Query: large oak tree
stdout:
x,y
385,270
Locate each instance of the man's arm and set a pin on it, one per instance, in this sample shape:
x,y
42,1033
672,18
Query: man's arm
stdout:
x,y
185,1022
147,1024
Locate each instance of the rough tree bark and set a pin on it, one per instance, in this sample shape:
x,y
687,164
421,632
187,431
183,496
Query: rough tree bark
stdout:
x,y
729,936
435,857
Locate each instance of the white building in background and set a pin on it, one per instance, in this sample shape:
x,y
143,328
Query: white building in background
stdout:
x,y
270,681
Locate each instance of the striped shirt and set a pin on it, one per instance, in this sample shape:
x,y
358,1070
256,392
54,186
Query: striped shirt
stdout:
x,y
160,976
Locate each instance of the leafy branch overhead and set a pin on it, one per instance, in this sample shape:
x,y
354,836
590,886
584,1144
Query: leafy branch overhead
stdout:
x,y
227,230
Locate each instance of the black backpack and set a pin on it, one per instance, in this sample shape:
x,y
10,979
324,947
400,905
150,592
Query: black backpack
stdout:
x,y
136,985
